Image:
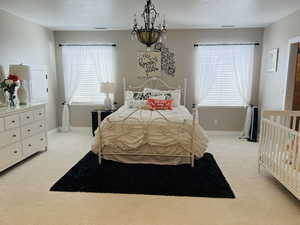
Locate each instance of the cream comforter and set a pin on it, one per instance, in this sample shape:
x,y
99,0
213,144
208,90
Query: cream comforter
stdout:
x,y
129,129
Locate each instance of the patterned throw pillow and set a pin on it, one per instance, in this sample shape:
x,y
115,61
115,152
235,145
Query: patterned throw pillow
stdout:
x,y
136,99
158,104
169,94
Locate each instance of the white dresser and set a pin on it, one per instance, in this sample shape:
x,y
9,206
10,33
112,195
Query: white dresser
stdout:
x,y
23,132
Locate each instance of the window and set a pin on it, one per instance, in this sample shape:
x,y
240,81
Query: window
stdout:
x,y
85,67
88,90
224,75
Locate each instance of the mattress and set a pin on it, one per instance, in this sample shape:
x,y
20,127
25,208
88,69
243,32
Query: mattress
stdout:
x,y
155,136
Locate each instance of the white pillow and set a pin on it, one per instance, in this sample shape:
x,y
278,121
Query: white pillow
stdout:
x,y
135,99
169,94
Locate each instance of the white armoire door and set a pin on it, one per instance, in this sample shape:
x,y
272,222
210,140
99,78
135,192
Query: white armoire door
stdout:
x,y
38,84
36,81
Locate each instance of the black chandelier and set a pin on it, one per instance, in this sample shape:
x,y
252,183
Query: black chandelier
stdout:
x,y
149,34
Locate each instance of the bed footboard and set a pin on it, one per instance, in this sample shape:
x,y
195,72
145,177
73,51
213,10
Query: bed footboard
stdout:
x,y
190,155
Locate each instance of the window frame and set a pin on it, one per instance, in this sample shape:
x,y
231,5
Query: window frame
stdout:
x,y
220,104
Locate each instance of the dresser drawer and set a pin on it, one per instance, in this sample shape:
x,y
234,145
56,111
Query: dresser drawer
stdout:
x,y
39,114
40,126
10,137
28,131
32,129
27,117
1,124
9,155
12,121
34,144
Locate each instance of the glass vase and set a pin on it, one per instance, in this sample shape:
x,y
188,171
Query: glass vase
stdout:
x,y
11,100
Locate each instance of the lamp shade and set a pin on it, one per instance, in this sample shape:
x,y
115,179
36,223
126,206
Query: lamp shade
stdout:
x,y
107,87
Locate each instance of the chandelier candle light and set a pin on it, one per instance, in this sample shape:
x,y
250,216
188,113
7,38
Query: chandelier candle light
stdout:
x,y
149,34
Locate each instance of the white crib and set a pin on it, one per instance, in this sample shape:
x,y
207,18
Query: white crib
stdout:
x,y
279,145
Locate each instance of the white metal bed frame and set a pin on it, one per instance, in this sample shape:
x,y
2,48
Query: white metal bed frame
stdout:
x,y
154,81
279,147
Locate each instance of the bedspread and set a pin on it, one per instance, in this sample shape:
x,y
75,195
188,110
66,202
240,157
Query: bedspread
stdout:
x,y
128,129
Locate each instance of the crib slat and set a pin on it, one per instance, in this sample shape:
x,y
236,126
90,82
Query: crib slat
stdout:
x,y
294,123
291,161
277,153
283,172
293,169
286,160
261,144
290,155
297,178
273,148
267,146
280,152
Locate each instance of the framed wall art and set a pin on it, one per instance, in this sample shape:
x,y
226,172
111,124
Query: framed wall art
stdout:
x,y
272,61
167,59
149,64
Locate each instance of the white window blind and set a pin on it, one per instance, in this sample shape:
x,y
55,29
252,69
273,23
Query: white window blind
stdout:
x,y
88,90
225,75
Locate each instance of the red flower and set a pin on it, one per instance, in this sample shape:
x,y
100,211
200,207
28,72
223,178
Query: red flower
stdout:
x,y
13,77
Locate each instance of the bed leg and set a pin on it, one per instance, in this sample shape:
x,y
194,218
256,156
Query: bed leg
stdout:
x,y
99,158
192,160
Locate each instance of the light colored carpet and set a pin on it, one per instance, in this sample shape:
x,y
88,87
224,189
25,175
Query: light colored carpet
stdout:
x,y
25,198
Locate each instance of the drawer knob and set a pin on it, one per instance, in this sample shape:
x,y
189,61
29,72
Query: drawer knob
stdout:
x,y
28,130
15,152
27,117
14,135
29,145
40,114
13,121
41,125
42,139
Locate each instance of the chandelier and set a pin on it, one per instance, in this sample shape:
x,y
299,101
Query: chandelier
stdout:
x,y
149,34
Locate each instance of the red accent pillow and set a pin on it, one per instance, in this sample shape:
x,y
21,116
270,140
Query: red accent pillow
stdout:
x,y
159,104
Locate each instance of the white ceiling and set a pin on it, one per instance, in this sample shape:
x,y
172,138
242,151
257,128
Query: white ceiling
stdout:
x,y
117,14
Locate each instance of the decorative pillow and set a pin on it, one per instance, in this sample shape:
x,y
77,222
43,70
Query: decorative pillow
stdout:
x,y
169,94
158,104
136,99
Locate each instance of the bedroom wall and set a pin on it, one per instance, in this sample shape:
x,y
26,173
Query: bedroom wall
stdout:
x,y
272,85
28,43
179,41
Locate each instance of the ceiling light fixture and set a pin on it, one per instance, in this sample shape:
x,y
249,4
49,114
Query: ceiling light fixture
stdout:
x,y
100,28
149,34
227,26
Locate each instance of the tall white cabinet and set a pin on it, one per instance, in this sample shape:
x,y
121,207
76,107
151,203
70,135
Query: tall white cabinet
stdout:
x,y
23,132
36,81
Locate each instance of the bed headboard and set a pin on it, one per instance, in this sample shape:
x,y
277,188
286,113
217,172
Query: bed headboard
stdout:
x,y
155,83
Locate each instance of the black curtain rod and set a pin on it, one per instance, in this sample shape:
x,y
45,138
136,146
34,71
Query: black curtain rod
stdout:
x,y
196,45
112,45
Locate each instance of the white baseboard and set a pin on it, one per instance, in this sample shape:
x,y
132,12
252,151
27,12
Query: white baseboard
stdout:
x,y
75,129
223,132
80,128
52,131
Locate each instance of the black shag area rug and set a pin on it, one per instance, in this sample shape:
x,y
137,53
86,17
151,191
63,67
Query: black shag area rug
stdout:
x,y
204,180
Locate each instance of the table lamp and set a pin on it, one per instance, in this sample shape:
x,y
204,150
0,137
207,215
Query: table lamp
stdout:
x,y
107,88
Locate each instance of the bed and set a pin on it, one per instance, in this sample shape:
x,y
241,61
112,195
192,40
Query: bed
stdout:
x,y
279,147
140,135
